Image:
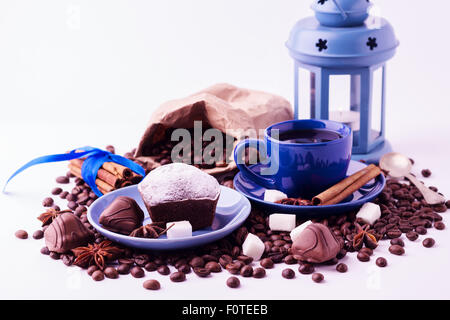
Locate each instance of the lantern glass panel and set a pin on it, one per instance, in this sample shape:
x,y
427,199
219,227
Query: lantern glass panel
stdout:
x,y
306,91
376,110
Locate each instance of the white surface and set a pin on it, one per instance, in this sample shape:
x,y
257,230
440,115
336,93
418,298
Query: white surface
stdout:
x,y
282,222
180,229
77,73
369,213
253,247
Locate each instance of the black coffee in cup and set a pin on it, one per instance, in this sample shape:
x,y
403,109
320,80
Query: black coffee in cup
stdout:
x,y
309,136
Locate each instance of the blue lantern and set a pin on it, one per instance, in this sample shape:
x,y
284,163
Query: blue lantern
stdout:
x,y
343,40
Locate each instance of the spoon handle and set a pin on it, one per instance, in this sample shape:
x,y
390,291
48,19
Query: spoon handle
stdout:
x,y
429,195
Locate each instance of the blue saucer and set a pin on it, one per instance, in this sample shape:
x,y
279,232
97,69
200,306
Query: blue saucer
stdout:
x,y
232,210
255,193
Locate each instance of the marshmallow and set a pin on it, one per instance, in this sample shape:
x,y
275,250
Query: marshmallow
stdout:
x,y
253,247
296,232
180,229
369,213
274,195
282,222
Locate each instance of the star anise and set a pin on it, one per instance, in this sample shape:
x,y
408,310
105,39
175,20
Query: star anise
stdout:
x,y
152,231
364,236
294,202
96,254
50,215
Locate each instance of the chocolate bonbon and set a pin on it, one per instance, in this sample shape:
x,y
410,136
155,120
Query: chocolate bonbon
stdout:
x,y
123,215
66,232
316,244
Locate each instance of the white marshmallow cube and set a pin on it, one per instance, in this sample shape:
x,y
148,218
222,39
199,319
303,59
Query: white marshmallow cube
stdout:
x,y
180,229
296,232
282,222
274,195
369,213
253,247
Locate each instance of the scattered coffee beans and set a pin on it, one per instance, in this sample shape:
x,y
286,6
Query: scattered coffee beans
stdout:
x,y
178,277
56,191
342,268
45,251
98,275
412,235
288,273
233,282
213,266
124,268
247,271
439,225
21,234
363,257
201,272
397,250
259,273
38,234
63,180
398,241
137,272
164,270
306,268
381,262
91,269
266,263
152,285
426,173
317,277
428,242
421,230
47,202
111,273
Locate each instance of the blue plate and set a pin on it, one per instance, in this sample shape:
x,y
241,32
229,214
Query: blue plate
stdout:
x,y
232,210
256,192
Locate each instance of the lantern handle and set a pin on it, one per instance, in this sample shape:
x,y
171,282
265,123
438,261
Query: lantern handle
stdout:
x,y
343,13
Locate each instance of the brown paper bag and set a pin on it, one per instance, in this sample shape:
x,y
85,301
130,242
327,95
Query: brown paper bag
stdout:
x,y
232,110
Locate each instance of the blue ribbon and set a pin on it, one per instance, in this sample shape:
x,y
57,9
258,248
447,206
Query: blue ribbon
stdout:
x,y
95,158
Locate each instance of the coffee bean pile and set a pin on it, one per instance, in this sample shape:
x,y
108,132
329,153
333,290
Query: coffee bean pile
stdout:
x,y
403,212
162,151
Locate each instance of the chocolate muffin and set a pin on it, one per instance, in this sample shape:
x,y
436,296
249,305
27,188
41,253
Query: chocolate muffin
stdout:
x,y
177,192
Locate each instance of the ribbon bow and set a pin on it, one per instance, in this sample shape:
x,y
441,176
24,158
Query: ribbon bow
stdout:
x,y
95,158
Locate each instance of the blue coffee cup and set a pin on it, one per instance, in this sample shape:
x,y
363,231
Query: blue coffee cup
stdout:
x,y
299,169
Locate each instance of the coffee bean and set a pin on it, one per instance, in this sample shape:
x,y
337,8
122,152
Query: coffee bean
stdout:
x,y
98,275
245,259
394,233
197,262
63,195
447,204
91,269
110,149
213,266
342,253
246,271
164,270
426,173
178,277
54,255
397,250
412,236
21,234
111,273
288,273
367,251
137,272
56,191
306,268
421,230
233,282
381,262
45,251
317,277
439,225
289,259
152,285
428,242
363,257
224,260
124,268
38,234
233,268
63,180
47,202
185,268
398,241
72,205
266,263
201,272
259,273
342,267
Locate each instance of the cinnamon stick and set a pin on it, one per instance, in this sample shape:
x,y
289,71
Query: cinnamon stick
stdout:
x,y
341,186
118,169
102,174
361,181
102,185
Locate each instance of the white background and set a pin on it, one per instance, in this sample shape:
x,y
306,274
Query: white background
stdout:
x,y
75,73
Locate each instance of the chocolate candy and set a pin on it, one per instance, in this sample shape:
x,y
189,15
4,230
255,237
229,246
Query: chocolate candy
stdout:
x,y
66,232
123,215
316,244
